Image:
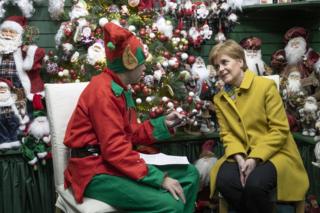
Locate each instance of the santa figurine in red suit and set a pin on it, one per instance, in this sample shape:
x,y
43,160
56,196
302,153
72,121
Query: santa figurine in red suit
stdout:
x,y
297,51
252,49
103,130
20,63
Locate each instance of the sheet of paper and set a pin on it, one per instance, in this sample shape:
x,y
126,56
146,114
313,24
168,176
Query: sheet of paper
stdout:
x,y
161,159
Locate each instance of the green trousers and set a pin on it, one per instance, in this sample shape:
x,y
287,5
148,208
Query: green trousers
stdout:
x,y
131,196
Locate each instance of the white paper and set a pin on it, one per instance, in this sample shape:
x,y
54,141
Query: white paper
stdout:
x,y
161,159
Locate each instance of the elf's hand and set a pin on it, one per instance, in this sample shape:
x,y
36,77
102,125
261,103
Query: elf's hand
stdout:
x,y
241,164
174,187
175,119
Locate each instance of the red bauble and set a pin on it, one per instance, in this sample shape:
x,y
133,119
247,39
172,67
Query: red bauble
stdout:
x,y
152,114
98,31
178,54
159,111
189,99
166,54
123,22
50,53
191,59
136,88
198,106
185,48
163,38
142,32
176,32
141,85
145,91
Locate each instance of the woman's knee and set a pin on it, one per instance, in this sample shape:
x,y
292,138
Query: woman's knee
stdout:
x,y
253,191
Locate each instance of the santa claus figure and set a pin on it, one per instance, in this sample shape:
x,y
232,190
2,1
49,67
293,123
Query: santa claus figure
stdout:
x,y
20,64
79,10
293,93
297,51
308,116
252,50
96,53
200,74
35,144
11,121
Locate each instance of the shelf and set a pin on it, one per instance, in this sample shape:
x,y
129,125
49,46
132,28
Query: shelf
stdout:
x,y
308,7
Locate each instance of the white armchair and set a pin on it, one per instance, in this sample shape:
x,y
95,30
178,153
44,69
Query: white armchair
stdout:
x,y
61,100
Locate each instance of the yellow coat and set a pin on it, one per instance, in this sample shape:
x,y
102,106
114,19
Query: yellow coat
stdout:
x,y
257,121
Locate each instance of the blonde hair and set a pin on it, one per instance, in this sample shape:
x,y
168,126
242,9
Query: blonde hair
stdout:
x,y
229,48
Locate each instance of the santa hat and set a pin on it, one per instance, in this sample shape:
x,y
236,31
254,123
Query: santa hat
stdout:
x,y
295,32
124,51
313,61
6,83
16,23
251,43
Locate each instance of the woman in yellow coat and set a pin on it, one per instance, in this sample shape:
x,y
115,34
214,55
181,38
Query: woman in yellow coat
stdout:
x,y
261,155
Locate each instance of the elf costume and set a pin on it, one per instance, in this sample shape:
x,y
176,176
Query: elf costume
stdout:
x,y
104,124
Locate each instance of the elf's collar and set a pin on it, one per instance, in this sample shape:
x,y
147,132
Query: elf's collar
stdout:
x,y
118,88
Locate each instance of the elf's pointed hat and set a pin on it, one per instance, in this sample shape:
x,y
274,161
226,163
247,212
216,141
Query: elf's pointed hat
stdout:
x,y
16,23
124,51
251,43
295,32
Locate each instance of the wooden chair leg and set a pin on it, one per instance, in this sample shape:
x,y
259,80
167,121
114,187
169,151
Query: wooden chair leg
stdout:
x,y
300,206
223,205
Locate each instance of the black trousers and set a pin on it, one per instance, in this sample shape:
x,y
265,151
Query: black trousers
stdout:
x,y
256,195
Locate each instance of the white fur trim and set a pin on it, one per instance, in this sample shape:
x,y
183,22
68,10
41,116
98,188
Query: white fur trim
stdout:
x,y
33,161
42,154
12,25
30,95
29,59
15,144
46,139
56,8
9,145
24,78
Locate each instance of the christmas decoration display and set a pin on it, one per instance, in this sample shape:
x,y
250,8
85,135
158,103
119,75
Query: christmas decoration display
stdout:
x,y
36,144
308,116
298,65
22,91
36,140
174,79
12,122
252,50
26,6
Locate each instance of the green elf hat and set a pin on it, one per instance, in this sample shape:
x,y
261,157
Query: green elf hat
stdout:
x,y
124,51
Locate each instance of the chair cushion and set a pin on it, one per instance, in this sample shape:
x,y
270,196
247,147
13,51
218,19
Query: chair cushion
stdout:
x,y
67,203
